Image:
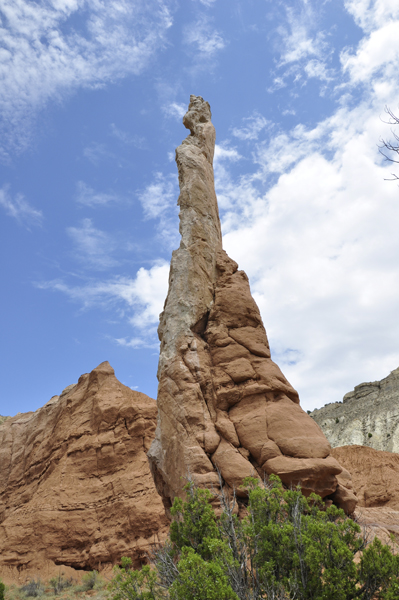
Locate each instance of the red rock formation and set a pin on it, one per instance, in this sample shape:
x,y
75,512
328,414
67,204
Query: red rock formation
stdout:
x,y
375,477
222,401
75,484
375,474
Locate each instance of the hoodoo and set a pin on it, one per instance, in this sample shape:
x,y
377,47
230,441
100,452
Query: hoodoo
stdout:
x,y
222,402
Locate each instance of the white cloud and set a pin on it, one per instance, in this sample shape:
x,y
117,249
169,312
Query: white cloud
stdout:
x,y
223,152
253,125
19,208
159,201
136,343
298,43
320,247
379,50
51,49
175,110
206,40
88,197
139,299
158,196
150,289
303,48
207,2
372,14
314,227
93,247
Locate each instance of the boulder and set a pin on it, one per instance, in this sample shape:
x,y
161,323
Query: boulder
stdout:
x,y
75,483
222,402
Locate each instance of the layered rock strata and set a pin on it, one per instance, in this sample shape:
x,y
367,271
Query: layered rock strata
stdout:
x,y
75,484
222,402
368,416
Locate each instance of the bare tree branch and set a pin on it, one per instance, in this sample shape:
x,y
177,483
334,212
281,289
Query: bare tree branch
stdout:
x,y
392,147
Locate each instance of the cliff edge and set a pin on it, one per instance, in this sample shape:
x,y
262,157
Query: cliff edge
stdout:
x,y
368,416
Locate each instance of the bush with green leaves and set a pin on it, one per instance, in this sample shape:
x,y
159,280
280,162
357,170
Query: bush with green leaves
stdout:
x,y
2,590
288,547
90,580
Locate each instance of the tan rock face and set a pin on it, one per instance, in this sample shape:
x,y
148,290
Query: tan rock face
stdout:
x,y
75,484
222,401
374,473
375,480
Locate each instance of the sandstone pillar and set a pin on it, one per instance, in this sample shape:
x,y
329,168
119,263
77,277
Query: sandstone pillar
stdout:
x,y
222,401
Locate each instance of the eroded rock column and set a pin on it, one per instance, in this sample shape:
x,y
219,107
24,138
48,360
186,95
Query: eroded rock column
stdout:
x,y
222,401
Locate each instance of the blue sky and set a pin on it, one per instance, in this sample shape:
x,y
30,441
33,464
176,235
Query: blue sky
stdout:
x,y
92,94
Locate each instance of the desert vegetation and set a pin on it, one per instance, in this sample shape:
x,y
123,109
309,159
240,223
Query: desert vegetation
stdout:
x,y
92,586
287,547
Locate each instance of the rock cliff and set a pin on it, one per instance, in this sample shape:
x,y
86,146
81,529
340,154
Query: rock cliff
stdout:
x,y
375,477
75,484
368,416
222,402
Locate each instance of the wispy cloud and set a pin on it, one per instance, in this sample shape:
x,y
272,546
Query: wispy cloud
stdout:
x,y
159,200
45,55
297,36
93,247
304,49
86,196
204,38
207,3
127,138
139,300
136,342
19,208
251,128
175,110
96,152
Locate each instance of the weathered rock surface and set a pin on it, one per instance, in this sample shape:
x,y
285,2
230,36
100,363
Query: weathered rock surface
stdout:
x,y
375,475
375,479
222,401
368,416
75,484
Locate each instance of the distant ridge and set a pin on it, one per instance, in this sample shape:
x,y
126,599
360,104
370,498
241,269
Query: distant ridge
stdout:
x,y
368,416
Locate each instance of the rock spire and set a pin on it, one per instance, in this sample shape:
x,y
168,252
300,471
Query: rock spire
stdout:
x,y
222,402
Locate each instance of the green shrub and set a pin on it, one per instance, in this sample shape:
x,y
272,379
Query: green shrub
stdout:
x,y
2,590
369,435
89,580
128,584
288,547
336,420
